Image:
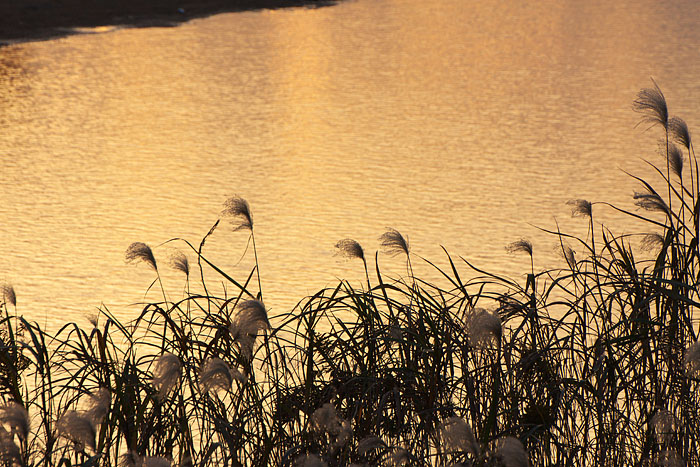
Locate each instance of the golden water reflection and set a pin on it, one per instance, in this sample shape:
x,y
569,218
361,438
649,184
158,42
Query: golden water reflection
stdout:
x,y
460,124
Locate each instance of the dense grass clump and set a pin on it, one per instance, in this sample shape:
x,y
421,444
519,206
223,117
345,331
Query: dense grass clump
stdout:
x,y
595,363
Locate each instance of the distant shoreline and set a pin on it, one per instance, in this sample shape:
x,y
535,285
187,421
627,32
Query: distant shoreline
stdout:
x,y
27,20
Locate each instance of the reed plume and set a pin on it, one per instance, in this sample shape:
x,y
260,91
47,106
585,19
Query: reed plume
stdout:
x,y
238,210
309,460
675,159
77,428
98,405
8,293
217,375
483,327
652,241
664,425
369,443
580,207
350,249
131,459
179,262
398,456
9,451
15,417
692,358
669,458
651,201
393,243
325,419
166,373
458,436
511,453
651,103
680,132
520,246
569,256
250,318
139,251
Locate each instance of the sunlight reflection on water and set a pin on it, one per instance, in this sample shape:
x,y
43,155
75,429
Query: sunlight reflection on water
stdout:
x,y
460,124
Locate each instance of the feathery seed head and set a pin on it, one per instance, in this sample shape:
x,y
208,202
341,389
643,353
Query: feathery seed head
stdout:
x,y
580,207
139,251
570,256
398,456
520,246
9,452
679,131
369,443
675,159
483,327
15,417
344,434
669,458
217,375
179,262
692,358
458,436
238,210
78,429
251,317
652,241
8,294
98,405
130,459
309,460
511,452
393,243
651,202
664,424
325,419
155,462
349,248
166,373
651,103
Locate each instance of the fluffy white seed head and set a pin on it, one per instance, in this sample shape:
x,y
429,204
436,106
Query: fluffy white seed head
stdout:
x,y
15,420
669,458
692,359
250,318
397,457
664,424
325,419
217,375
77,428
458,436
483,327
309,460
511,452
369,443
9,451
98,405
166,373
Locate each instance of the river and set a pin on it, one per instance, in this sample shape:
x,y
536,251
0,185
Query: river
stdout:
x,y
462,124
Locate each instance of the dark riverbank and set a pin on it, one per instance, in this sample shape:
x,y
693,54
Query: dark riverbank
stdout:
x,y
41,19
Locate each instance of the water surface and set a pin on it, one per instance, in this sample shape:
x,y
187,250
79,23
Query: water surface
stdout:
x,y
459,123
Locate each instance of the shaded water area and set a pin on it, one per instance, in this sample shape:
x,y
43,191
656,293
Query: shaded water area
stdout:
x,y
458,124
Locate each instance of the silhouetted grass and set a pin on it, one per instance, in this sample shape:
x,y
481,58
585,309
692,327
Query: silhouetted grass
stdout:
x,y
595,363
